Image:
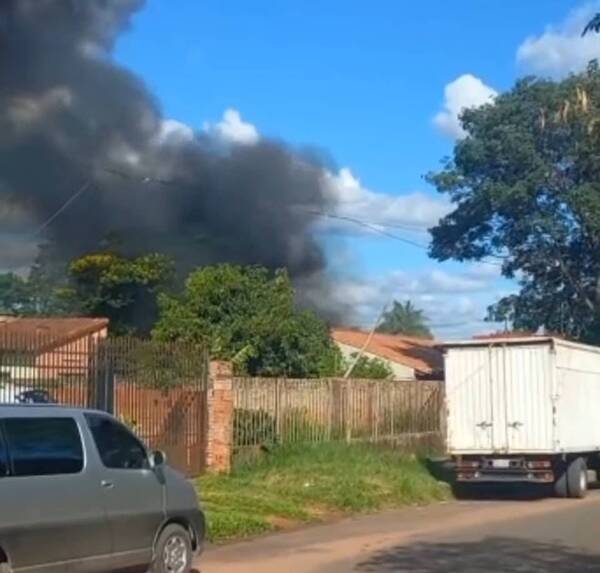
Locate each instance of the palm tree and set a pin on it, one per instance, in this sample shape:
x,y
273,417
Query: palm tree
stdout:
x,y
593,25
404,318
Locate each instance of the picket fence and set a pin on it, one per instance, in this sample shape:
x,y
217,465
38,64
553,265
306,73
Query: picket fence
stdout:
x,y
283,411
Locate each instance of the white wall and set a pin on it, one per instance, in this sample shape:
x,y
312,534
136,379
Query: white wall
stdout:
x,y
400,371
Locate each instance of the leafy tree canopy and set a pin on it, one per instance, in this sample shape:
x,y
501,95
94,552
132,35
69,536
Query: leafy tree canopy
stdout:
x,y
15,295
404,318
247,315
525,184
119,288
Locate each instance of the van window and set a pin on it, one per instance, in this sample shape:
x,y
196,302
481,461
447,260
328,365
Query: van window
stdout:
x,y
117,446
43,446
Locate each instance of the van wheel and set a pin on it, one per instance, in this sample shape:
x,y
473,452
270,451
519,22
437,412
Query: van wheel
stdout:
x,y
173,552
577,480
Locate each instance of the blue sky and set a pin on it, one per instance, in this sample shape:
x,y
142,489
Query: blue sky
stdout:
x,y
363,82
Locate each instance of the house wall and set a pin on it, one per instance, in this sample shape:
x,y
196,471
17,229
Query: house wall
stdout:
x,y
401,371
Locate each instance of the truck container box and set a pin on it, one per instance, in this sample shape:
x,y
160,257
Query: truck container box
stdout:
x,y
528,396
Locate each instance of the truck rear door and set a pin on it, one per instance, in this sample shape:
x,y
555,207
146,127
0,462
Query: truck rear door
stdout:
x,y
499,398
469,397
527,397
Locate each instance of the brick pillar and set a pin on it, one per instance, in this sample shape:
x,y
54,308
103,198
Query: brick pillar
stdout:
x,y
219,446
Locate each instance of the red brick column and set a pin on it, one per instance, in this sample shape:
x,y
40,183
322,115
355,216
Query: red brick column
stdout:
x,y
219,448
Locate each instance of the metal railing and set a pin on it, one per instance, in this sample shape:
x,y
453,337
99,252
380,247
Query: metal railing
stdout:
x,y
158,389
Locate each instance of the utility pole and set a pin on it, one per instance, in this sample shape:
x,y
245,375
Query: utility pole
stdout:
x,y
366,344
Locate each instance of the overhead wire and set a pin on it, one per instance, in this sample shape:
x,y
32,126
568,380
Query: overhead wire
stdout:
x,y
378,228
63,207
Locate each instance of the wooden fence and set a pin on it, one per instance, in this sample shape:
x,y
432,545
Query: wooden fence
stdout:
x,y
282,411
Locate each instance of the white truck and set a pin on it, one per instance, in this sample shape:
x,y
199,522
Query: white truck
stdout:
x,y
524,410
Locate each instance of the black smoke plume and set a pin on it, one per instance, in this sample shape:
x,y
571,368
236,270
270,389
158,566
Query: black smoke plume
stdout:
x,y
72,120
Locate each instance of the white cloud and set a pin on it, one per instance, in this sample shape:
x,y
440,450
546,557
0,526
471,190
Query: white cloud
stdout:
x,y
173,131
454,301
561,49
413,211
233,129
464,92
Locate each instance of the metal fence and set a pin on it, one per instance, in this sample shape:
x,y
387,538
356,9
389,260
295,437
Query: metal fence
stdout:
x,y
158,389
404,413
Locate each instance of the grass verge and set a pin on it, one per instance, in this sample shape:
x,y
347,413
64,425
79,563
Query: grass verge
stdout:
x,y
304,484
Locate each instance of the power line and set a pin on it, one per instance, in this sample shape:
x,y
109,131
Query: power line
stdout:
x,y
384,233
145,179
374,227
64,206
370,226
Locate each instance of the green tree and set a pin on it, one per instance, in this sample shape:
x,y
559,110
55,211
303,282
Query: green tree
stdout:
x,y
525,185
48,279
41,292
119,288
15,295
248,315
404,318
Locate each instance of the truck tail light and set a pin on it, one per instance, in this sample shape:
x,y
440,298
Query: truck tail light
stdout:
x,y
539,464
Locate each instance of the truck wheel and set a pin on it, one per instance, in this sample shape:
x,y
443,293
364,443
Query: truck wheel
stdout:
x,y
173,552
577,480
560,484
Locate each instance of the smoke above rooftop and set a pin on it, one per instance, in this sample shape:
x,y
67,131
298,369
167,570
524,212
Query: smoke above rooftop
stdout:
x,y
80,133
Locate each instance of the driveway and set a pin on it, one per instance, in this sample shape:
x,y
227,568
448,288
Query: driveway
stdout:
x,y
539,536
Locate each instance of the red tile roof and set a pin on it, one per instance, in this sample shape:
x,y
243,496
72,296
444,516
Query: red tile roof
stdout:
x,y
516,334
512,334
417,353
37,333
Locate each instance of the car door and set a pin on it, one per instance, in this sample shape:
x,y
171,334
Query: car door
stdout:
x,y
51,514
134,496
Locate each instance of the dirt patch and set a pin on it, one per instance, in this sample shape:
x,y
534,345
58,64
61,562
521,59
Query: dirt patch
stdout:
x,y
325,514
283,523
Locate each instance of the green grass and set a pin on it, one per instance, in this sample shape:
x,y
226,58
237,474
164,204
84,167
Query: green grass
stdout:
x,y
304,484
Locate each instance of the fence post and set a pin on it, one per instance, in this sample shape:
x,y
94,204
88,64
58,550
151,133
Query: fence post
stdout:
x,y
329,410
349,406
219,439
278,409
377,407
443,415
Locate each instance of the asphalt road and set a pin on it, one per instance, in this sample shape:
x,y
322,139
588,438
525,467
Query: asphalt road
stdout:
x,y
533,536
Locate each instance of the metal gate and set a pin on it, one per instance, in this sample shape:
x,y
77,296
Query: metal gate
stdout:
x,y
158,389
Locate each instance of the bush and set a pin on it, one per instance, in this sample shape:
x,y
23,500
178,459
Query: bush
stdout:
x,y
253,428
